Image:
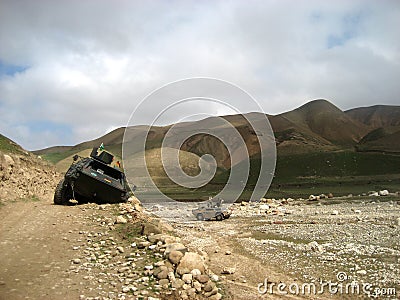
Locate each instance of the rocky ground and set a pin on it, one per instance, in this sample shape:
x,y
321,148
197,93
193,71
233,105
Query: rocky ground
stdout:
x,y
340,241
117,252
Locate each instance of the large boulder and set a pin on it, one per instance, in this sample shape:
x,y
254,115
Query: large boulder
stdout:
x,y
150,228
189,262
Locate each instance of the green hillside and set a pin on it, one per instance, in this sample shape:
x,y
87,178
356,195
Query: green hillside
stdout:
x,y
8,146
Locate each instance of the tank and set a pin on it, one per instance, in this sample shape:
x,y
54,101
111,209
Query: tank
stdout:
x,y
93,179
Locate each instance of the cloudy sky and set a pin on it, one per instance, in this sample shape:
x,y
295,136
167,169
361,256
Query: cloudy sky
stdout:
x,y
73,70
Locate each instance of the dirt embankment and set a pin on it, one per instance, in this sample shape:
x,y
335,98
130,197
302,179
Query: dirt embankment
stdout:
x,y
25,177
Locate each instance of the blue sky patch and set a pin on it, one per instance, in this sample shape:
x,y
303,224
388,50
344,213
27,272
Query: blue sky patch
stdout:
x,y
11,70
350,24
46,125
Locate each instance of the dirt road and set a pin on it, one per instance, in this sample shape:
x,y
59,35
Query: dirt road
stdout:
x,y
36,251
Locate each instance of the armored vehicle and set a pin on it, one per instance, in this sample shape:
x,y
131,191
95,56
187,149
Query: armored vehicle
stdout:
x,y
93,179
211,210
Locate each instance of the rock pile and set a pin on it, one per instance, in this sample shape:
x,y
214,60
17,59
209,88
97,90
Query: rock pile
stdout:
x,y
152,266
182,270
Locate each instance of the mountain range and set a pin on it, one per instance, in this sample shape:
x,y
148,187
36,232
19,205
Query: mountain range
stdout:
x,y
317,126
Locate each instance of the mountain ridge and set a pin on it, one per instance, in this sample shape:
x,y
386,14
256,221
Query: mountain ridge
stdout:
x,y
317,125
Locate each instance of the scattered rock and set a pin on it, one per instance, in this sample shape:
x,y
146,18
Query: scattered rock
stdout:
x,y
121,220
214,277
164,282
187,278
312,198
195,272
142,245
171,276
315,247
228,270
227,252
335,212
209,286
202,278
383,193
214,291
217,296
177,283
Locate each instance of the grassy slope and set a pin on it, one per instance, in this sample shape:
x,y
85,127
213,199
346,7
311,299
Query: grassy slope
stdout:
x,y
8,146
300,175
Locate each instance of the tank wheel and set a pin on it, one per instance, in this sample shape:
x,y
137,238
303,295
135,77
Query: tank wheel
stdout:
x,y
219,217
200,217
63,193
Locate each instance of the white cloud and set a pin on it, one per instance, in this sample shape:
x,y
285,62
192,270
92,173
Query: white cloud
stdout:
x,y
90,63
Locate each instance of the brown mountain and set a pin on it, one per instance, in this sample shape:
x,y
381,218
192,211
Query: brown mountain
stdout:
x,y
323,120
383,122
317,126
376,116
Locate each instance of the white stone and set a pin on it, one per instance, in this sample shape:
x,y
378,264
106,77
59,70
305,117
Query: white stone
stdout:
x,y
383,193
214,277
195,272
